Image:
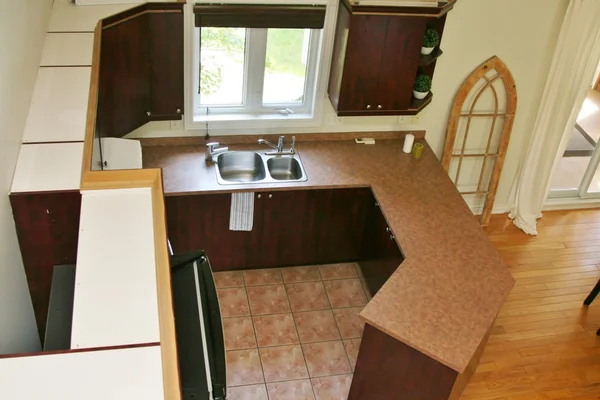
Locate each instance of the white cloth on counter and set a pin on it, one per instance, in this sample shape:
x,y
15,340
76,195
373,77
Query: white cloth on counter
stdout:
x,y
241,216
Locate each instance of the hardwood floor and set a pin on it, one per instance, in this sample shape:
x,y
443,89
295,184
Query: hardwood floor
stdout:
x,y
544,343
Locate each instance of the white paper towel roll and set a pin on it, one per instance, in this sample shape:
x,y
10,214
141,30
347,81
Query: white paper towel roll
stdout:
x,y
409,139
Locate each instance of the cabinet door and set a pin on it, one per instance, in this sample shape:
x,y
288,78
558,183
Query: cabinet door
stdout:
x,y
166,65
202,223
363,60
380,254
287,238
123,88
401,55
336,223
47,226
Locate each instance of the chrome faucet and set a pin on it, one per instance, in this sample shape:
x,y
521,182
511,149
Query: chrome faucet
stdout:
x,y
213,150
279,147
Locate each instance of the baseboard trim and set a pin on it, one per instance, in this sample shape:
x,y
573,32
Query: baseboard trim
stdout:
x,y
570,204
498,209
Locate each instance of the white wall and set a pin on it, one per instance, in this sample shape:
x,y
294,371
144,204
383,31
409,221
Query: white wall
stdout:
x,y
522,33
23,26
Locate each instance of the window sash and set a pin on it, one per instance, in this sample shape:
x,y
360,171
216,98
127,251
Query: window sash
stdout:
x,y
254,72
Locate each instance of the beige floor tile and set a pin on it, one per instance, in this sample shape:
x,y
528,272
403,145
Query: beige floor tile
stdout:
x,y
352,346
307,296
233,302
243,367
300,274
338,271
255,277
291,390
271,299
349,323
332,387
283,363
252,392
316,326
345,293
275,330
228,279
326,358
239,333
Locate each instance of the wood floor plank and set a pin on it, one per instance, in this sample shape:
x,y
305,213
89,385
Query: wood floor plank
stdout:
x,y
544,345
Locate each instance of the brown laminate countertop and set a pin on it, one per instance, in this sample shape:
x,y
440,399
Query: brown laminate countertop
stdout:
x,y
447,292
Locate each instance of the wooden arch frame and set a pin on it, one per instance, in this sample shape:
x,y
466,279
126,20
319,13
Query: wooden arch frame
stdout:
x,y
457,113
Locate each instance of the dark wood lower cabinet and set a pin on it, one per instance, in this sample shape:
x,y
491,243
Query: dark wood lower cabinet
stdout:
x,y
47,226
380,254
387,369
201,222
299,227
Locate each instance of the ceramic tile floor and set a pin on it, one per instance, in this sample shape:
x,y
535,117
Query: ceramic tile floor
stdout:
x,y
291,333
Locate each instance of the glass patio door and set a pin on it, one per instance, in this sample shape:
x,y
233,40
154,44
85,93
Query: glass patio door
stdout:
x,y
578,172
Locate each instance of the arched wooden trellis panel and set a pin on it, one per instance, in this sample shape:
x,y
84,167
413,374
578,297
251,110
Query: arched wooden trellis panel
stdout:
x,y
491,81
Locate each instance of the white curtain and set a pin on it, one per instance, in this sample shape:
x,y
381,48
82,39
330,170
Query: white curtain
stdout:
x,y
575,61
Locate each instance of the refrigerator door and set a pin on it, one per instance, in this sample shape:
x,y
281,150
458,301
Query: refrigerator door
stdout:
x,y
199,329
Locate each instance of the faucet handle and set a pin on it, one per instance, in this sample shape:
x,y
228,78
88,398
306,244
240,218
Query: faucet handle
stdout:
x,y
212,145
293,147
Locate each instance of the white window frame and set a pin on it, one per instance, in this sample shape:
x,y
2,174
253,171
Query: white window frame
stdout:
x,y
254,68
234,123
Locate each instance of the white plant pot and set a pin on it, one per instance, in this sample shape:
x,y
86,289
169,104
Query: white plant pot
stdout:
x,y
420,95
426,50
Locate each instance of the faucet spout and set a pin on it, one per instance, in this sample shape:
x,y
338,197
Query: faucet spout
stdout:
x,y
263,141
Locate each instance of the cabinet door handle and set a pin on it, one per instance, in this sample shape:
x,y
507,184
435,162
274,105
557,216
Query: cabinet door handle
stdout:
x,y
258,196
368,106
387,228
379,107
270,196
391,237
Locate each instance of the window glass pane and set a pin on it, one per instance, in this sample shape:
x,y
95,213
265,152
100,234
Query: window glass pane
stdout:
x,y
222,66
285,65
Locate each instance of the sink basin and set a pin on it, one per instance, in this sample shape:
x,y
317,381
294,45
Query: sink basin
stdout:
x,y
284,168
235,167
240,167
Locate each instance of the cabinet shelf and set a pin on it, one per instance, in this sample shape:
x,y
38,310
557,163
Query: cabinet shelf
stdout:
x,y
417,105
428,59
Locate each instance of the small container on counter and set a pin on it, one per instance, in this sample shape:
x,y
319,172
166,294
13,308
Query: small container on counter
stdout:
x,y
417,150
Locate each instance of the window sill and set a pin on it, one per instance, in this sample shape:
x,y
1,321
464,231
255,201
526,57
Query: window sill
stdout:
x,y
251,121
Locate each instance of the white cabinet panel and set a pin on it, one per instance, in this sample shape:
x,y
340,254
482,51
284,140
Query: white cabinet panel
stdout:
x,y
121,153
68,49
58,107
48,166
115,299
68,17
121,374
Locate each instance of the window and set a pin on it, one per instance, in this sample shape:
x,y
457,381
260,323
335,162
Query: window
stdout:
x,y
266,68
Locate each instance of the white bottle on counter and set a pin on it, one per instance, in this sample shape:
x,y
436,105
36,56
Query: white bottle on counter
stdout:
x,y
409,139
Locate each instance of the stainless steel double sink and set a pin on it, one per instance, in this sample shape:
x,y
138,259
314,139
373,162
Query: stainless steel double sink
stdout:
x,y
235,167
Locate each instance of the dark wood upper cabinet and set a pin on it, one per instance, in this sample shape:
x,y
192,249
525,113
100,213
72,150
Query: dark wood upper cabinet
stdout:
x,y
123,87
166,65
367,33
377,57
141,68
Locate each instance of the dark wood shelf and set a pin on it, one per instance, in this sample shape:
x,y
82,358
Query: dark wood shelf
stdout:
x,y
417,105
428,59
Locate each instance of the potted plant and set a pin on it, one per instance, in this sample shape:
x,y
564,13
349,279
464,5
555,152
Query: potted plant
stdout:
x,y
422,86
430,41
